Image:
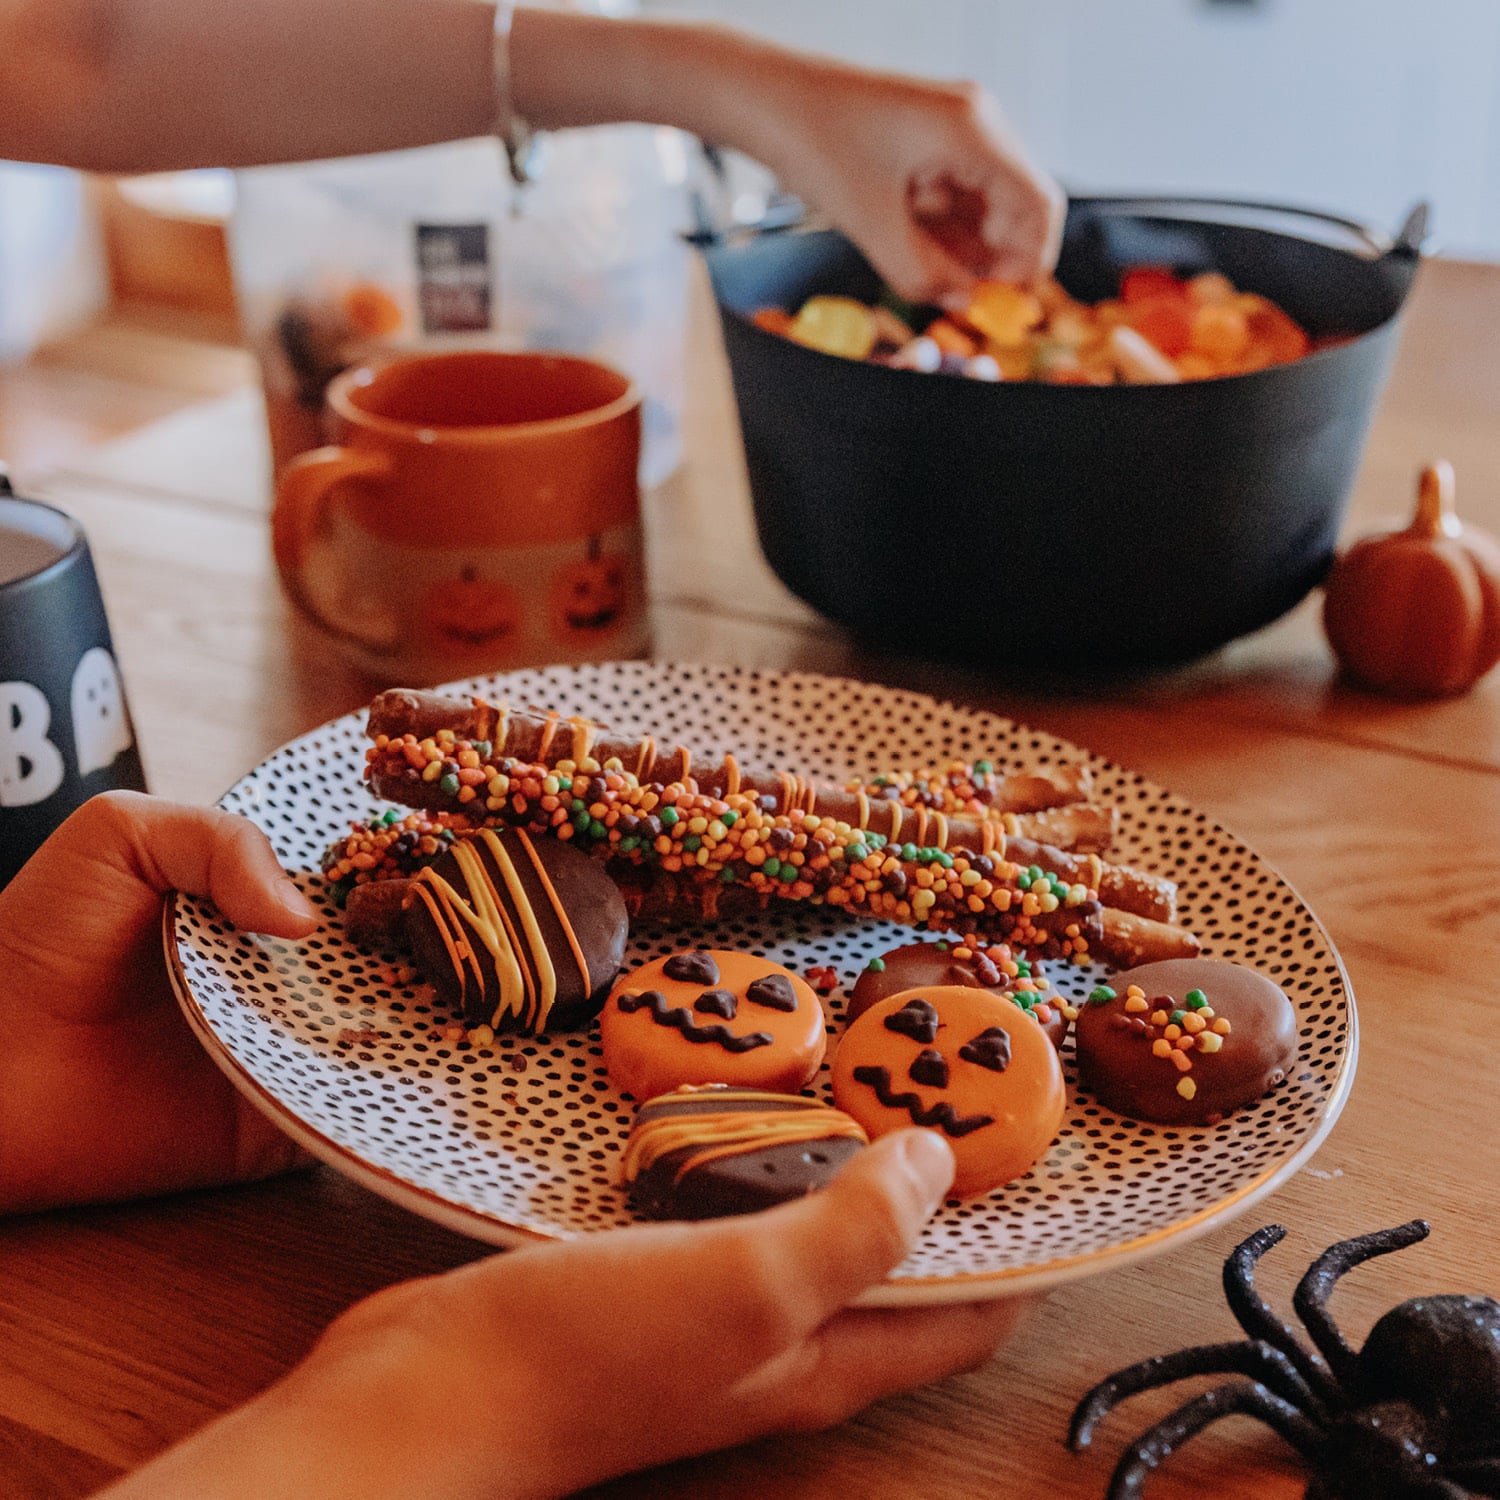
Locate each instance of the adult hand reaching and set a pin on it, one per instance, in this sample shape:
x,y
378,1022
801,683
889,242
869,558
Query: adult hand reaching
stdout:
x,y
532,1374
927,178
104,1092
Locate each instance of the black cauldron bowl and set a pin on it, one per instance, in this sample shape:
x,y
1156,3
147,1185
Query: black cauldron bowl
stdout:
x,y
1076,529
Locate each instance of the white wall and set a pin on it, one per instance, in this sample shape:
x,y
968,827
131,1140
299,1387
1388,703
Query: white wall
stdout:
x,y
1358,106
51,263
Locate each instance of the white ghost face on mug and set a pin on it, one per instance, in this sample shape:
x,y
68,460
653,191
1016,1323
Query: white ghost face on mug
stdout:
x,y
101,727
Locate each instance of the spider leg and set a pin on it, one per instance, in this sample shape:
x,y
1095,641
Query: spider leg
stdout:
x,y
1313,1291
1256,1318
1258,1360
1246,1397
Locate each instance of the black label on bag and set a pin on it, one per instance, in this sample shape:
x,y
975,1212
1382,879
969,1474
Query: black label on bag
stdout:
x,y
453,277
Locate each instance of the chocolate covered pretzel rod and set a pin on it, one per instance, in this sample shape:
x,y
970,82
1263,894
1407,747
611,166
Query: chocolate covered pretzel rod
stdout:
x,y
545,738
1125,940
468,770
373,918
969,789
800,854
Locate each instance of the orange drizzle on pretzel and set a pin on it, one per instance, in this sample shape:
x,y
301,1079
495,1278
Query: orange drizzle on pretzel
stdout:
x,y
583,738
549,728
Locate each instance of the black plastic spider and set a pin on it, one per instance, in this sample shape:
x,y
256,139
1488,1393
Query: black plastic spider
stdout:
x,y
1414,1415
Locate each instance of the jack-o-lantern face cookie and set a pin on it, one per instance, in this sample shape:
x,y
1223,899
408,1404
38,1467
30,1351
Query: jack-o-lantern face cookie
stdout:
x,y
969,964
712,1016
1185,1040
961,1061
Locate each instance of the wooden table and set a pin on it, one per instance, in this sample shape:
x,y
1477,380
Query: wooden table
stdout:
x,y
125,1328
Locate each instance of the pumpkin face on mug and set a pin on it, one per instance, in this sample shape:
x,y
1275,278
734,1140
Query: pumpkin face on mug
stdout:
x,y
589,597
712,1016
470,612
961,1061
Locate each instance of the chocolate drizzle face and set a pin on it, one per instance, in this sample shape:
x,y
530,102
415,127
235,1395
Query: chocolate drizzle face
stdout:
x,y
716,1003
682,1020
916,1019
692,968
931,1068
943,1116
774,991
990,1049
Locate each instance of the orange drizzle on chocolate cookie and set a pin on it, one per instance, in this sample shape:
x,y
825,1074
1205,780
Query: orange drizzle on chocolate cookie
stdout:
x,y
751,1120
503,919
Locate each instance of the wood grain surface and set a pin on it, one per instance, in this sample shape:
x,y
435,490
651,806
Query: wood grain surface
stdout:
x,y
124,1328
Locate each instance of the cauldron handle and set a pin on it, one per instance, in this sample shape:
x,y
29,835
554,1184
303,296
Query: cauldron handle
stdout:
x,y
1411,237
1408,240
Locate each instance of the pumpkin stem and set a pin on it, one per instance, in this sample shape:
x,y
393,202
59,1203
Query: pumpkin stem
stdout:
x,y
1435,509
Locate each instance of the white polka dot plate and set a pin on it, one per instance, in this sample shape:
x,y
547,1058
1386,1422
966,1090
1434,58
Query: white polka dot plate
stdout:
x,y
523,1140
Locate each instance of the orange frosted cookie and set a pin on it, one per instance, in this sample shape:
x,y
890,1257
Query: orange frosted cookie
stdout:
x,y
712,1016
962,1061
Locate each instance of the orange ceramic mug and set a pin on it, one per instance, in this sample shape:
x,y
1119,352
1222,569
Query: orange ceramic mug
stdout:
x,y
482,512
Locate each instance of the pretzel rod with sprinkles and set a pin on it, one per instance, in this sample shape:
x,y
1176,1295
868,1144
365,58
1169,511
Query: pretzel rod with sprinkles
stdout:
x,y
373,914
976,789
800,854
533,736
1125,940
394,844
448,772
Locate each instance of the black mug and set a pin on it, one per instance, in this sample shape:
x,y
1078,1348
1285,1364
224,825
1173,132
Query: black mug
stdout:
x,y
65,732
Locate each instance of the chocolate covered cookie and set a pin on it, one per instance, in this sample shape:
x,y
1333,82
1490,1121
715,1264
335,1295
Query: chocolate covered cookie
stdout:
x,y
969,965
1184,1041
712,1016
705,1152
521,934
961,1061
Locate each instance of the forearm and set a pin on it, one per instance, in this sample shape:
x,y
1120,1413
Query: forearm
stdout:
x,y
716,82
137,85
287,1444
381,1426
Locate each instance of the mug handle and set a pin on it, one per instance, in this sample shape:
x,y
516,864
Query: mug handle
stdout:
x,y
301,502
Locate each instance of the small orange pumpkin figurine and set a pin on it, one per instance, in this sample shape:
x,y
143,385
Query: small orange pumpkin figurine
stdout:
x,y
589,597
1416,613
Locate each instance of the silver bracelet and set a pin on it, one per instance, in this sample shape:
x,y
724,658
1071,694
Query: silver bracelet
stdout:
x,y
513,132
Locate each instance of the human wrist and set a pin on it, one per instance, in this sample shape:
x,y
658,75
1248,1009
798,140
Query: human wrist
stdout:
x,y
568,69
